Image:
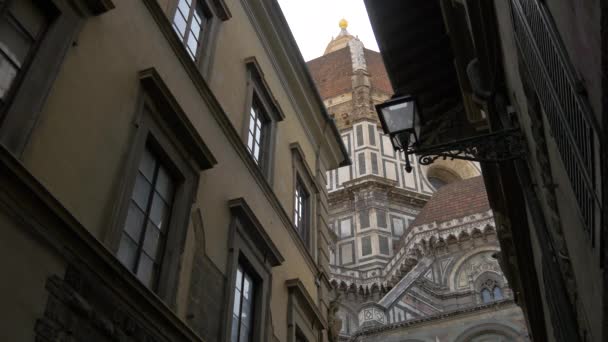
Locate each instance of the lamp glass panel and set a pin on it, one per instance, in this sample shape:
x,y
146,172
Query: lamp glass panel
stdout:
x,y
399,117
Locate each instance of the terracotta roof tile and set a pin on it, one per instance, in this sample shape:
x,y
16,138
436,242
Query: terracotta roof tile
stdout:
x,y
332,72
377,71
455,200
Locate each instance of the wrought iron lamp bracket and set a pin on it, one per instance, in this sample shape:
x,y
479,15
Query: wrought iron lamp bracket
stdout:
x,y
490,148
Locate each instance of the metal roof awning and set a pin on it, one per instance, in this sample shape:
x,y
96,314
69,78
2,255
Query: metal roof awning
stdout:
x,y
420,61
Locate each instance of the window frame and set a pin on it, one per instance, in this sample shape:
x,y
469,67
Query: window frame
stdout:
x,y
304,319
363,245
258,93
23,108
162,152
216,12
304,215
249,245
160,122
302,175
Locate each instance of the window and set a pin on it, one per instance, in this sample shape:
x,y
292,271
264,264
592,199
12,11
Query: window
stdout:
x,y
252,254
374,162
262,115
490,291
497,293
157,190
145,230
398,226
347,253
301,210
300,337
359,131
436,182
22,25
257,132
366,246
383,242
364,218
372,134
486,296
242,312
361,157
304,319
345,228
189,22
381,218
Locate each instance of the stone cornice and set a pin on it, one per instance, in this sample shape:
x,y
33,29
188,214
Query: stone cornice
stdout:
x,y
504,304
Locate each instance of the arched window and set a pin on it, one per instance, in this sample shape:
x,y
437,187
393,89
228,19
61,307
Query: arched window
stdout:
x,y
486,296
436,182
497,293
490,291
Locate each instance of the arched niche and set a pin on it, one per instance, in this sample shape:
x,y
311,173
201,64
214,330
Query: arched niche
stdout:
x,y
478,260
443,172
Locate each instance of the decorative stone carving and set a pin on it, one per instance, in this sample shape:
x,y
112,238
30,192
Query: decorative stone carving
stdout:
x,y
357,55
371,314
334,323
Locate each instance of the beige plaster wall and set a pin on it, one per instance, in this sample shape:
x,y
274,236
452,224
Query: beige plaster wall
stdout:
x,y
80,145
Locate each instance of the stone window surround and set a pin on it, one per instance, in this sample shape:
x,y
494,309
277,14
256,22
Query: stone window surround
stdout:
x,y
339,230
217,11
250,246
259,91
303,317
23,110
302,172
353,254
160,122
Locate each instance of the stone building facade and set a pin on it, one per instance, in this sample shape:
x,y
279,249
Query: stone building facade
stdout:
x,y
535,70
162,174
414,254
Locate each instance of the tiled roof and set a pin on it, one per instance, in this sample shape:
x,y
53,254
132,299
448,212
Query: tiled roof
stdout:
x,y
377,71
455,200
332,72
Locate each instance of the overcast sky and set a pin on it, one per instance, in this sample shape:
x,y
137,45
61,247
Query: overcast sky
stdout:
x,y
314,22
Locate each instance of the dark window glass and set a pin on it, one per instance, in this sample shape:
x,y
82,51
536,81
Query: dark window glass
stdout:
x,y
366,246
145,230
345,228
257,132
301,211
361,163
497,293
242,311
359,135
364,218
381,218
372,134
383,241
486,296
398,227
437,182
189,23
374,159
22,24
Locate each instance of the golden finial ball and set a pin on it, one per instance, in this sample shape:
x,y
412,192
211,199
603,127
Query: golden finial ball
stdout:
x,y
343,24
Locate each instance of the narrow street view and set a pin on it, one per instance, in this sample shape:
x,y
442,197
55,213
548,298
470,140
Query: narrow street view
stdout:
x,y
303,171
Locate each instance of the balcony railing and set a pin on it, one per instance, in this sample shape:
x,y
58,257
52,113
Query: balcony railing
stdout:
x,y
568,112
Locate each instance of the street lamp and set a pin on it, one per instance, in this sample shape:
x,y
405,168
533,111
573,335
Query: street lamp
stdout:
x,y
400,119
